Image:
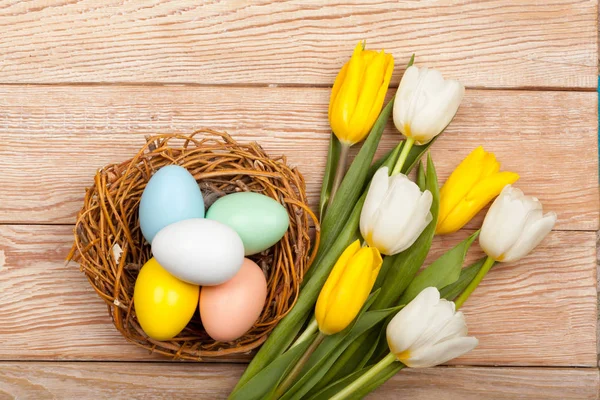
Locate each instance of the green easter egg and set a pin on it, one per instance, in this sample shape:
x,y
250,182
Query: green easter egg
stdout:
x,y
259,220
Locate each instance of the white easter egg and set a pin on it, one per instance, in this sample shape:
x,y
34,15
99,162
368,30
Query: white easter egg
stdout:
x,y
199,251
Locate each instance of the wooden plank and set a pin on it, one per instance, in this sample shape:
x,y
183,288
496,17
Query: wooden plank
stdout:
x,y
494,43
53,139
181,381
540,311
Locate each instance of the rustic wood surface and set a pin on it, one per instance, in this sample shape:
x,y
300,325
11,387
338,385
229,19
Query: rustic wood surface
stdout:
x,y
183,381
82,83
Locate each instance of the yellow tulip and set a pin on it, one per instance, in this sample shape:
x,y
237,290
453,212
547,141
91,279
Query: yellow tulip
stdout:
x,y
347,288
358,93
472,185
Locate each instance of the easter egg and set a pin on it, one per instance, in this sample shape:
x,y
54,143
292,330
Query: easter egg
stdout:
x,y
199,251
258,219
171,195
163,304
229,310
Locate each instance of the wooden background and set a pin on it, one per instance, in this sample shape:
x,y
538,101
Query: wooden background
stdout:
x,y
82,82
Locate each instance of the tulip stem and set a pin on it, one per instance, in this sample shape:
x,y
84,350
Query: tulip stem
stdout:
x,y
408,144
340,171
347,392
487,265
291,377
308,332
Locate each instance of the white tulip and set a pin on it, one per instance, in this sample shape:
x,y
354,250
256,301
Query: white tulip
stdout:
x,y
428,332
514,225
395,212
425,103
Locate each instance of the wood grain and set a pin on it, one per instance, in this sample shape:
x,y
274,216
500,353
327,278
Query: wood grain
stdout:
x,y
182,381
53,139
540,311
495,43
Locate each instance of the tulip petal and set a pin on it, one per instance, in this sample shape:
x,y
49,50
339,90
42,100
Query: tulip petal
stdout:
x,y
406,326
334,276
395,213
505,221
535,230
421,217
455,327
407,86
380,97
460,182
350,292
339,80
375,195
370,83
440,353
437,108
441,315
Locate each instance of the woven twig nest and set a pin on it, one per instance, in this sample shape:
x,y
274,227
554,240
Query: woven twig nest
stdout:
x,y
110,248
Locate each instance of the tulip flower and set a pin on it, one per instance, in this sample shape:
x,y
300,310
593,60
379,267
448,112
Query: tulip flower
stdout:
x,y
356,100
425,333
395,212
425,104
428,331
472,185
514,226
358,93
347,288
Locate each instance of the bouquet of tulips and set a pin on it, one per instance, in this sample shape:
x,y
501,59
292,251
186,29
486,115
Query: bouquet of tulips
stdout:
x,y
365,311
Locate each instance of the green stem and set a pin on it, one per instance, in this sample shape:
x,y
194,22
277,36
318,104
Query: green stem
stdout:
x,y
408,144
308,332
489,262
291,377
365,378
339,172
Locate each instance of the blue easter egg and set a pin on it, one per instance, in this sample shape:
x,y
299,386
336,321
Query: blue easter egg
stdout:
x,y
171,195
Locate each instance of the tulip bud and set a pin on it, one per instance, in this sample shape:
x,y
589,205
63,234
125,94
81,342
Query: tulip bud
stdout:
x,y
347,288
473,184
395,212
514,226
425,103
358,93
428,331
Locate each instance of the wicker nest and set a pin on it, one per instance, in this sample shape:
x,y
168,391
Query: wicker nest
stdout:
x,y
110,248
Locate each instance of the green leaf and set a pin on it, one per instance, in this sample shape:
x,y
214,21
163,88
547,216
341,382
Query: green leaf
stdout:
x,y
421,178
333,156
403,267
262,383
330,350
351,359
373,384
378,380
467,274
442,272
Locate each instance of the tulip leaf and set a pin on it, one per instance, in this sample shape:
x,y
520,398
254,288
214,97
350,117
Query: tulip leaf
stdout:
x,y
352,359
421,179
442,272
378,380
267,379
330,350
467,274
333,156
402,268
